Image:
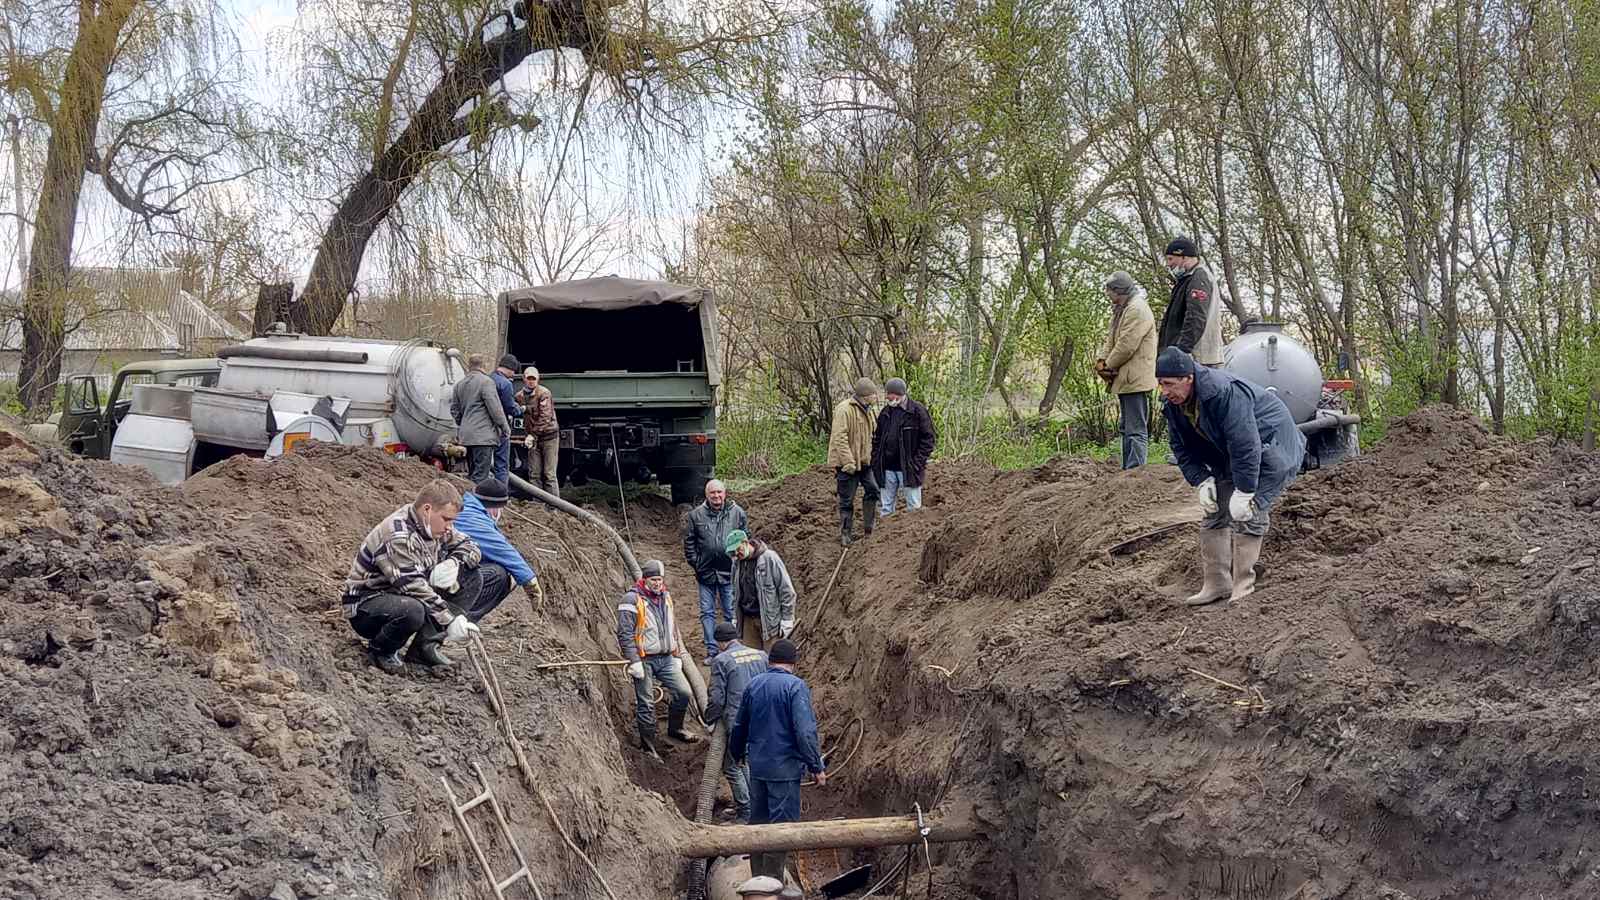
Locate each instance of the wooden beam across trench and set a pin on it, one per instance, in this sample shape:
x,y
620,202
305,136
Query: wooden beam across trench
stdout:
x,y
700,841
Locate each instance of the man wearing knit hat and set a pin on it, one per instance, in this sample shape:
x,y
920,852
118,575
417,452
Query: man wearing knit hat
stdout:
x,y
1127,364
850,455
732,670
902,443
504,371
503,566
777,732
1237,444
647,632
1193,319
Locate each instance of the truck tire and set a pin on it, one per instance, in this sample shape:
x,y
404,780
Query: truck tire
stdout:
x,y
690,486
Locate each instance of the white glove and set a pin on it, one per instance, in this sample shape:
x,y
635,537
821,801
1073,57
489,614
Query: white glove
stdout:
x,y
445,575
1241,506
636,670
460,627
1208,496
675,665
528,442
785,628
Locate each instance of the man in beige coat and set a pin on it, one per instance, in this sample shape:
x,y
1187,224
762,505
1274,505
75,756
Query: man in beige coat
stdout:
x,y
1127,363
850,455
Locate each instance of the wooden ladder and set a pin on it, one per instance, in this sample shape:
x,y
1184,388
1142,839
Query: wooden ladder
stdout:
x,y
461,809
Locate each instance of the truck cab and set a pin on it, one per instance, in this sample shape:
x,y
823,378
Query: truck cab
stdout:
x,y
633,368
87,424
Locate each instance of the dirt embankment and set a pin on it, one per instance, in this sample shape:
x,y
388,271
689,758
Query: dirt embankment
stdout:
x,y
1404,710
188,716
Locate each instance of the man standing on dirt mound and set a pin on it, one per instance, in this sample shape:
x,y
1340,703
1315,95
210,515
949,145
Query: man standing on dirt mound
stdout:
x,y
406,577
1192,321
648,636
1237,444
732,670
777,732
481,421
762,590
705,535
902,443
850,455
503,372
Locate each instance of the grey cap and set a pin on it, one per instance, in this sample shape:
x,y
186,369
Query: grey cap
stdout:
x,y
865,387
652,568
1121,284
895,386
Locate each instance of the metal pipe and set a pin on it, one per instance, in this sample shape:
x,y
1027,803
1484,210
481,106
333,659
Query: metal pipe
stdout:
x,y
293,354
1325,420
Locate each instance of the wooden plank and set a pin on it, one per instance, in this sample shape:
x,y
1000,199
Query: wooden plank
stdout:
x,y
698,841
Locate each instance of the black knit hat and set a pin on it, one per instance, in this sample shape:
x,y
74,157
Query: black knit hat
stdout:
x,y
1182,245
725,631
783,651
492,492
509,361
1174,363
652,568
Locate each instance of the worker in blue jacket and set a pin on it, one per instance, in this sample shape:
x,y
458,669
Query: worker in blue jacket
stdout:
x,y
777,732
503,567
1238,445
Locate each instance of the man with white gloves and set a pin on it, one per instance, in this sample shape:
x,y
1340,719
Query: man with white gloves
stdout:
x,y
405,575
647,632
763,593
1237,444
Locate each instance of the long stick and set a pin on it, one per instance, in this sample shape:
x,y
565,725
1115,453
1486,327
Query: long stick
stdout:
x,y
583,662
828,592
491,686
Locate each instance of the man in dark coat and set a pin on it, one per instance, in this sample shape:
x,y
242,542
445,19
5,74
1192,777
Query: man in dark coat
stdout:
x,y
1192,321
777,732
705,534
1237,444
902,443
732,670
503,372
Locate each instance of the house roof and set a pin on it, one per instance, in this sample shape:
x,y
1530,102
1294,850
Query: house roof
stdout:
x,y
132,310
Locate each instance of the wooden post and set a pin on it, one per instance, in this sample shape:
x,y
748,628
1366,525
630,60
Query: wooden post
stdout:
x,y
697,841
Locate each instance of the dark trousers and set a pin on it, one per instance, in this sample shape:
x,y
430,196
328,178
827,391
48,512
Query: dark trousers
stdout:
x,y
387,621
772,802
847,483
480,462
502,459
1135,427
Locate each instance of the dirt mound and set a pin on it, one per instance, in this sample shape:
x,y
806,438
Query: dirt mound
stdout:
x,y
188,715
1399,712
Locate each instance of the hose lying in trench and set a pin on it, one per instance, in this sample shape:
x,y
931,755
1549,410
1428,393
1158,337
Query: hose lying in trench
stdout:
x,y
702,808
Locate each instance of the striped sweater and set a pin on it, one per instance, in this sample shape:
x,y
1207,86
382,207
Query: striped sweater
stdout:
x,y
396,558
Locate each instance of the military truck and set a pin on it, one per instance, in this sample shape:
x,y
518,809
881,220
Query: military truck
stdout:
x,y
86,425
633,367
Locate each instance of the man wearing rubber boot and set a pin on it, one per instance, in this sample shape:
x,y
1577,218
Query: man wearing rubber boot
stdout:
x,y
850,456
1237,444
731,672
404,575
648,636
777,732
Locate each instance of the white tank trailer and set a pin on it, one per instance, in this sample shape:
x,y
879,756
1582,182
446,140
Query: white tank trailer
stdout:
x,y
1264,355
279,390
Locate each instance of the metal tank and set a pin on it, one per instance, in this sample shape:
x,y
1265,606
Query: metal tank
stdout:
x,y
1266,356
409,382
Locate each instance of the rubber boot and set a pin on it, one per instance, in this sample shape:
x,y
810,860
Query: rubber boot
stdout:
x,y
1216,560
425,646
846,519
1246,551
675,728
647,742
869,517
389,662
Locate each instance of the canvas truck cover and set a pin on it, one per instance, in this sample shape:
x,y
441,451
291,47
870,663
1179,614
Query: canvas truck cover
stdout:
x,y
610,292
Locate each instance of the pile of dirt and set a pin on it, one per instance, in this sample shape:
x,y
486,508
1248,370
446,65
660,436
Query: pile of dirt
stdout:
x,y
188,716
1401,711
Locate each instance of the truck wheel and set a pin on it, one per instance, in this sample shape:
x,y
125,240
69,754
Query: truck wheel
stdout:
x,y
689,488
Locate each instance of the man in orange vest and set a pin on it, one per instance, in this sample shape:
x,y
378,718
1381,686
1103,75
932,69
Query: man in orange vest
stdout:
x,y
648,636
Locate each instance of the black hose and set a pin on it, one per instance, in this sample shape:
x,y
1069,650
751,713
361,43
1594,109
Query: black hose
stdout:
x,y
293,354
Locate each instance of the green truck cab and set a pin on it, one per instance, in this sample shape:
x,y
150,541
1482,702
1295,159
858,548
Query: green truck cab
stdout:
x,y
86,425
633,367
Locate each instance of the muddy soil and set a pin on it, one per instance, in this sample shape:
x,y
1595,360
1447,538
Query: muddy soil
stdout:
x,y
188,716
1406,709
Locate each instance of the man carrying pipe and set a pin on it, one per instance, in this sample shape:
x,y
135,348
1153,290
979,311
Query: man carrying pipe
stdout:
x,y
647,632
777,732
1237,444
732,670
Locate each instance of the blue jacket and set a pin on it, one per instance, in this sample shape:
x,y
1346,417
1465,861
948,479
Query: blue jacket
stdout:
x,y
474,522
1246,435
776,729
732,670
508,397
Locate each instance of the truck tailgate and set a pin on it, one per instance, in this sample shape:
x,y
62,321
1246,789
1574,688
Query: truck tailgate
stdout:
x,y
619,390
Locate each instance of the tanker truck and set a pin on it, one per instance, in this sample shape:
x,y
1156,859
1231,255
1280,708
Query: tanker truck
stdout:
x,y
1263,354
276,391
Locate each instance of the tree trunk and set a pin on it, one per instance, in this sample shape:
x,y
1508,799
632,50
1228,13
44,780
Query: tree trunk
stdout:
x,y
72,135
437,124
